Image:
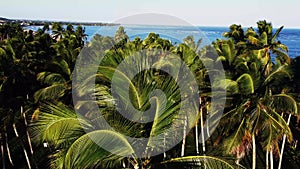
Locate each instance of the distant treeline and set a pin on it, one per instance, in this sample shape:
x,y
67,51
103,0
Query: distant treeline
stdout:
x,y
25,22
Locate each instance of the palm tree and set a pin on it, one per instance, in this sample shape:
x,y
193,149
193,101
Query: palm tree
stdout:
x,y
58,30
163,109
57,78
121,35
250,73
236,33
58,84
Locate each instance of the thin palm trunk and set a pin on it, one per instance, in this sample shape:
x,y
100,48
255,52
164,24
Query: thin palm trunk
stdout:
x,y
237,162
207,127
27,132
271,159
253,152
197,138
8,150
201,124
283,144
123,163
24,150
2,152
267,159
184,136
165,154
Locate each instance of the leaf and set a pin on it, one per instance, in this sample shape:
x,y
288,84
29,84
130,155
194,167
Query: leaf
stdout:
x,y
286,104
52,92
264,39
278,73
234,141
229,85
50,78
63,65
246,85
282,57
275,36
276,127
87,151
253,40
198,162
57,124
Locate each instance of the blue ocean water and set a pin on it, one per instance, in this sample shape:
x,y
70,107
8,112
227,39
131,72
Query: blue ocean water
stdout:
x,y
289,37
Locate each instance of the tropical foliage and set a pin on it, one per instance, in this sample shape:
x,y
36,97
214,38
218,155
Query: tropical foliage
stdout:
x,y
48,121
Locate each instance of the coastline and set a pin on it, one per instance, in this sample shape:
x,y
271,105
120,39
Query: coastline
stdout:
x,y
27,22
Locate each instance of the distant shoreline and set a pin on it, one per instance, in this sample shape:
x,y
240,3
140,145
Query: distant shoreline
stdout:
x,y
27,22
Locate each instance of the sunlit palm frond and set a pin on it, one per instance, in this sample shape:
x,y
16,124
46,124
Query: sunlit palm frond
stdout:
x,y
52,92
198,162
88,151
50,78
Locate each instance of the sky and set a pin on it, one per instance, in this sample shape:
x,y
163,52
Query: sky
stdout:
x,y
195,12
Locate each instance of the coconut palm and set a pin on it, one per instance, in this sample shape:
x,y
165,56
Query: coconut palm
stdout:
x,y
255,107
264,38
57,84
236,33
140,98
56,79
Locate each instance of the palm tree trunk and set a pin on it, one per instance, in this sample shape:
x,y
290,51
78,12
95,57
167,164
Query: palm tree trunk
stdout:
x,y
201,124
253,152
237,162
207,128
7,149
28,135
267,159
283,143
184,136
197,138
25,152
271,159
165,154
27,132
2,152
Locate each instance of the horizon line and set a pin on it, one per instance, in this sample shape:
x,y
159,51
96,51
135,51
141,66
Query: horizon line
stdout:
x,y
143,24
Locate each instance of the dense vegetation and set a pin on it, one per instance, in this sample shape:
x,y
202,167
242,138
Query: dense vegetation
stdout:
x,y
41,129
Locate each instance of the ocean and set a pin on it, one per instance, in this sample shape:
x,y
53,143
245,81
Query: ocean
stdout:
x,y
288,36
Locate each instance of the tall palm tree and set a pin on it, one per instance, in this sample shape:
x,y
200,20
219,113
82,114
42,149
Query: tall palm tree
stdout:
x,y
249,83
164,110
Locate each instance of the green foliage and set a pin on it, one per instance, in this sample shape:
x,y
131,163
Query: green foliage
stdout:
x,y
33,64
36,73
198,162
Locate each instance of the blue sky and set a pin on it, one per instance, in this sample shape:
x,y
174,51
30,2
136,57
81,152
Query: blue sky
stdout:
x,y
196,12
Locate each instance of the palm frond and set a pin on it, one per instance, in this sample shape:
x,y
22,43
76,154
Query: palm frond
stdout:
x,y
97,147
50,78
246,84
50,93
285,103
275,36
58,125
280,72
198,162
